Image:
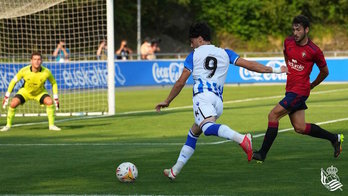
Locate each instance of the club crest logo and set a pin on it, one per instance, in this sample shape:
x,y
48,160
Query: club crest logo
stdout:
x,y
304,54
330,179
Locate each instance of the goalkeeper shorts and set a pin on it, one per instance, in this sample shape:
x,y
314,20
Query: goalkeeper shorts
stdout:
x,y
24,96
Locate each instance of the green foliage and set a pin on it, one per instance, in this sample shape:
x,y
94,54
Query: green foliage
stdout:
x,y
125,19
157,19
236,17
255,20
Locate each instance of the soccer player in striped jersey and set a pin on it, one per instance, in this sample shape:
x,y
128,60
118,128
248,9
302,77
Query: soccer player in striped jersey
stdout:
x,y
300,55
208,65
34,76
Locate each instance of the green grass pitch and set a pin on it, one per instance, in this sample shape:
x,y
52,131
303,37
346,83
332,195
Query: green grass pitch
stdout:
x,y
82,158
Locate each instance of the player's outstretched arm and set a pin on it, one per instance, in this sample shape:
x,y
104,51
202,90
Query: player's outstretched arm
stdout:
x,y
10,88
257,67
179,84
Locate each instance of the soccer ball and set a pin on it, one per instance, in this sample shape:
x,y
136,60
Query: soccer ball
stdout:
x,y
127,172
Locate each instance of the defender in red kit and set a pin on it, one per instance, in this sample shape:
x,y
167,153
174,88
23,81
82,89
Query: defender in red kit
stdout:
x,y
300,55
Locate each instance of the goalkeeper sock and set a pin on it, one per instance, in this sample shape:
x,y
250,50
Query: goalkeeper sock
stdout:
x,y
186,152
10,115
269,138
50,114
222,131
316,131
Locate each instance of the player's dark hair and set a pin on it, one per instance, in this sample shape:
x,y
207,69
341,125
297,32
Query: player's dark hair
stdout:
x,y
200,29
302,20
36,54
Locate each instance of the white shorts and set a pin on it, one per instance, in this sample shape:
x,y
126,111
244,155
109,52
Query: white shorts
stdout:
x,y
206,105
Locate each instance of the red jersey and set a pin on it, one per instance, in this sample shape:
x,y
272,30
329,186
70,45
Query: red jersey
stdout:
x,y
300,61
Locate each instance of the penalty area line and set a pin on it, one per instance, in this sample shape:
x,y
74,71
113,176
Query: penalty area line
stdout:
x,y
162,143
289,129
170,109
318,123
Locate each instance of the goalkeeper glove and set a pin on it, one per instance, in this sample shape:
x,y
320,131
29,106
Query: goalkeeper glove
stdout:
x,y
56,101
5,101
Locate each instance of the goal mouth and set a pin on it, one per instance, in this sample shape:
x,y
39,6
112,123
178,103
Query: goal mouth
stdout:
x,y
67,33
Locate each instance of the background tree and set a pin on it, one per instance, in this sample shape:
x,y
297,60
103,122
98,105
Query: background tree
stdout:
x,y
253,25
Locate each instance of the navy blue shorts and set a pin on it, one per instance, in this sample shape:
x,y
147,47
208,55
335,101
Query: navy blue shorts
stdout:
x,y
294,102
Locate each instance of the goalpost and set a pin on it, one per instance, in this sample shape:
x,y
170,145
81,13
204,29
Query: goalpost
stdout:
x,y
86,84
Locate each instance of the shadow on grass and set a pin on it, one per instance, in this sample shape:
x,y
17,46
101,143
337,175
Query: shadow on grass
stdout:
x,y
82,125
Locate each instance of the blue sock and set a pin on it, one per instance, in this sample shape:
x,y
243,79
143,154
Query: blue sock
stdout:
x,y
186,152
210,128
222,131
191,140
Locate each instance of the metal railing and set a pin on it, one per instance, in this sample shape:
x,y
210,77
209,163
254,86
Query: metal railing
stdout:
x,y
249,54
181,55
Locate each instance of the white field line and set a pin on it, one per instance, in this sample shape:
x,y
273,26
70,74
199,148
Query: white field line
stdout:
x,y
285,130
318,123
233,101
174,108
167,109
327,105
159,144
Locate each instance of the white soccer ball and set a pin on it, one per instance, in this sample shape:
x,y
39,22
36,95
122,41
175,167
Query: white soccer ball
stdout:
x,y
127,172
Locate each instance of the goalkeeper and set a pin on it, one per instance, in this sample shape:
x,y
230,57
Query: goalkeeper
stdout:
x,y
34,76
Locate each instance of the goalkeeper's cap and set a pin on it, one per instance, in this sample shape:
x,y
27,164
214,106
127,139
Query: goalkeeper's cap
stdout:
x,y
200,29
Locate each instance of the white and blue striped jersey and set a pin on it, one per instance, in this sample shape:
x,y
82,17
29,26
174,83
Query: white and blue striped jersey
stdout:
x,y
209,65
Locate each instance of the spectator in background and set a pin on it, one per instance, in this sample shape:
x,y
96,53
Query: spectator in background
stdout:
x,y
61,53
154,48
102,52
145,48
124,51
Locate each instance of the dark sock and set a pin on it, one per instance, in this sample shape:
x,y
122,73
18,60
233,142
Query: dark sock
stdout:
x,y
316,131
270,136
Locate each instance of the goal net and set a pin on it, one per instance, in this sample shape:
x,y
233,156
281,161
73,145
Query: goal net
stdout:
x,y
67,33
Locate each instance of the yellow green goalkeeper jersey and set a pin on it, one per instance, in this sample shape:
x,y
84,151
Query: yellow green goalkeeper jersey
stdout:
x,y
34,82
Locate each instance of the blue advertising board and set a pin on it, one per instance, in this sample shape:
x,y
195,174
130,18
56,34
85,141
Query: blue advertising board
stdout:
x,y
93,74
